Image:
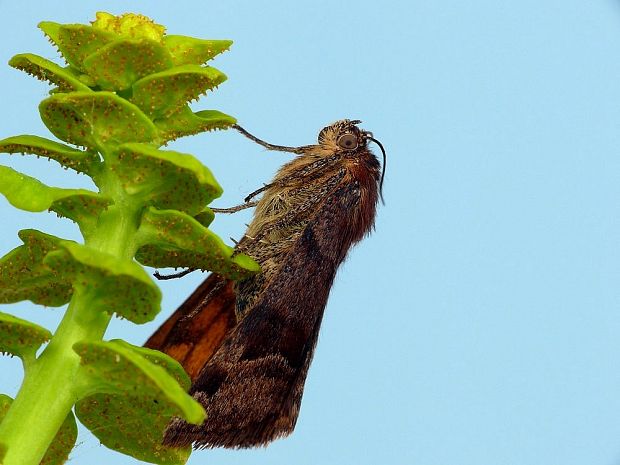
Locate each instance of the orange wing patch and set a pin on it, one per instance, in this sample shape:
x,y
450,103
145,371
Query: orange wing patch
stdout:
x,y
197,328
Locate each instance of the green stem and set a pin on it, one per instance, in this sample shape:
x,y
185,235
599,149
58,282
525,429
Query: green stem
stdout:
x,y
52,384
50,388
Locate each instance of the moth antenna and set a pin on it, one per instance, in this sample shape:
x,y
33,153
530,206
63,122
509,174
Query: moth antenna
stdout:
x,y
267,145
382,168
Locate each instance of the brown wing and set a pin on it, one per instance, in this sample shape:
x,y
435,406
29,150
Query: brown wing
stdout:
x,y
252,387
197,328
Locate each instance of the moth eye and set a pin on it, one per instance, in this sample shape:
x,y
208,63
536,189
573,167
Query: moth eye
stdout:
x,y
347,141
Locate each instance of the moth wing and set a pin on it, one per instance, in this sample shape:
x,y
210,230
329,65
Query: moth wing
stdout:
x,y
194,332
252,387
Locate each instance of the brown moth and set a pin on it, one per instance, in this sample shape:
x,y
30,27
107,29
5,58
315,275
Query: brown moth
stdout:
x,y
247,345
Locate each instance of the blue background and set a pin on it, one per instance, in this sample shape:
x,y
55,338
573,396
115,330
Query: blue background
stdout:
x,y
480,323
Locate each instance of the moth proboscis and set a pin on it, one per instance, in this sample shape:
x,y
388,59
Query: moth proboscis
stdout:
x,y
247,345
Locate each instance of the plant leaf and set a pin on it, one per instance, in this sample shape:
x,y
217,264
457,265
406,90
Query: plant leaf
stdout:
x,y
161,94
205,217
117,65
24,276
20,337
139,391
5,403
47,70
30,194
118,286
95,119
186,123
191,51
174,239
78,160
76,41
46,269
165,179
26,193
84,209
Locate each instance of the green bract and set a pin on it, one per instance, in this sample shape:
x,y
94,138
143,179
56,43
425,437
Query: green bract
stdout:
x,y
123,92
184,122
136,386
24,276
20,337
78,160
170,236
164,179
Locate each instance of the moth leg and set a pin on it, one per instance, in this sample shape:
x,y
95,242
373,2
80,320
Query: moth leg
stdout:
x,y
236,208
180,274
258,191
310,172
296,215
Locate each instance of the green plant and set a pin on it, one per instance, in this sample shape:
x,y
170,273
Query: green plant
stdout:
x,y
123,93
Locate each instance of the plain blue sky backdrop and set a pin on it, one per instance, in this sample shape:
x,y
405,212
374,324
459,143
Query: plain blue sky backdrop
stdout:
x,y
480,323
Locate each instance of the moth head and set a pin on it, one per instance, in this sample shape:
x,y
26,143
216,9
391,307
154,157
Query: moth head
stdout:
x,y
343,136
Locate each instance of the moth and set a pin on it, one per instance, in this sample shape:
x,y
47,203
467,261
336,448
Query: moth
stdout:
x,y
247,345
